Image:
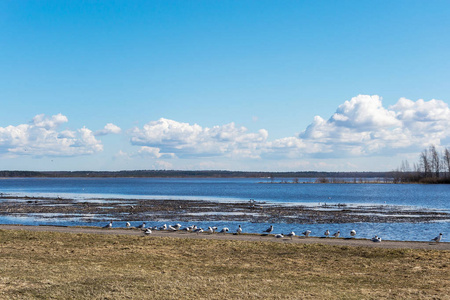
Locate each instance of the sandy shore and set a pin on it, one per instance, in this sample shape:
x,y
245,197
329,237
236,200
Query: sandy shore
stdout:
x,y
242,237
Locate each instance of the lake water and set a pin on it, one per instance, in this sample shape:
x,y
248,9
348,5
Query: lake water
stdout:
x,y
405,196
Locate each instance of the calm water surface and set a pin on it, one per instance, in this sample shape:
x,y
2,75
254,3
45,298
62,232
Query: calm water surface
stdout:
x,y
409,196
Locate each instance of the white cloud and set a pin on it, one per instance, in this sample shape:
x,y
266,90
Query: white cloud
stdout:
x,y
359,127
154,152
49,123
41,138
109,128
193,140
363,126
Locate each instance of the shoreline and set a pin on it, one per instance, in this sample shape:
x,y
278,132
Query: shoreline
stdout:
x,y
445,246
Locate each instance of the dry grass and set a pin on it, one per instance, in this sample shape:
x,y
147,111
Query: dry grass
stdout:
x,y
47,265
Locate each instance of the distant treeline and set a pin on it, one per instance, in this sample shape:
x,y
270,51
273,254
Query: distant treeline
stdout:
x,y
196,174
433,167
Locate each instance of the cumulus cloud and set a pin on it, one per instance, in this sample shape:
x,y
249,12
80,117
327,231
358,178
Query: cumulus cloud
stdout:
x,y
109,128
193,140
360,127
154,152
41,138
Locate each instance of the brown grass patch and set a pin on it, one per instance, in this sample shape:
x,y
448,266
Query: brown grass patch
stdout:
x,y
49,265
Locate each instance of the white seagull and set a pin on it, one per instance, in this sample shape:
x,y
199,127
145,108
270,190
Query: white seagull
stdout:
x,y
353,233
176,226
307,233
376,239
164,227
239,230
198,230
327,233
291,235
214,228
128,225
210,230
269,230
148,231
336,234
142,226
108,225
438,238
224,230
279,236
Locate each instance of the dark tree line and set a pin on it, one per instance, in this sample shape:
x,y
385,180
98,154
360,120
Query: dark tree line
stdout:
x,y
433,167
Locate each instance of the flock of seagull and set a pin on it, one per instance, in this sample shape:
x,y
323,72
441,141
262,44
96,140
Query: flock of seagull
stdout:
x,y
239,230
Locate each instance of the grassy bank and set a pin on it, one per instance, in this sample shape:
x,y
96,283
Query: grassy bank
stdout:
x,y
50,265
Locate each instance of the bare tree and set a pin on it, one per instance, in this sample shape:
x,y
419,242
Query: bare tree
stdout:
x,y
425,163
435,161
447,161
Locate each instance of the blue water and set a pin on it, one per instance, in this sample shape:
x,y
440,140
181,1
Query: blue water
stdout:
x,y
408,195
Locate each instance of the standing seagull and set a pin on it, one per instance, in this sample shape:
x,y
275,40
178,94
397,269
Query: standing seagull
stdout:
x,y
336,234
239,230
198,230
438,238
108,225
224,230
307,233
327,233
291,235
128,225
142,226
269,230
353,233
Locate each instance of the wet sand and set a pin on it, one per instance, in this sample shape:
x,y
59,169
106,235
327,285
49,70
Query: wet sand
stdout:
x,y
241,237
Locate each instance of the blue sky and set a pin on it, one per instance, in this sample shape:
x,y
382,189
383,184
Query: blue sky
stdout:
x,y
237,85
